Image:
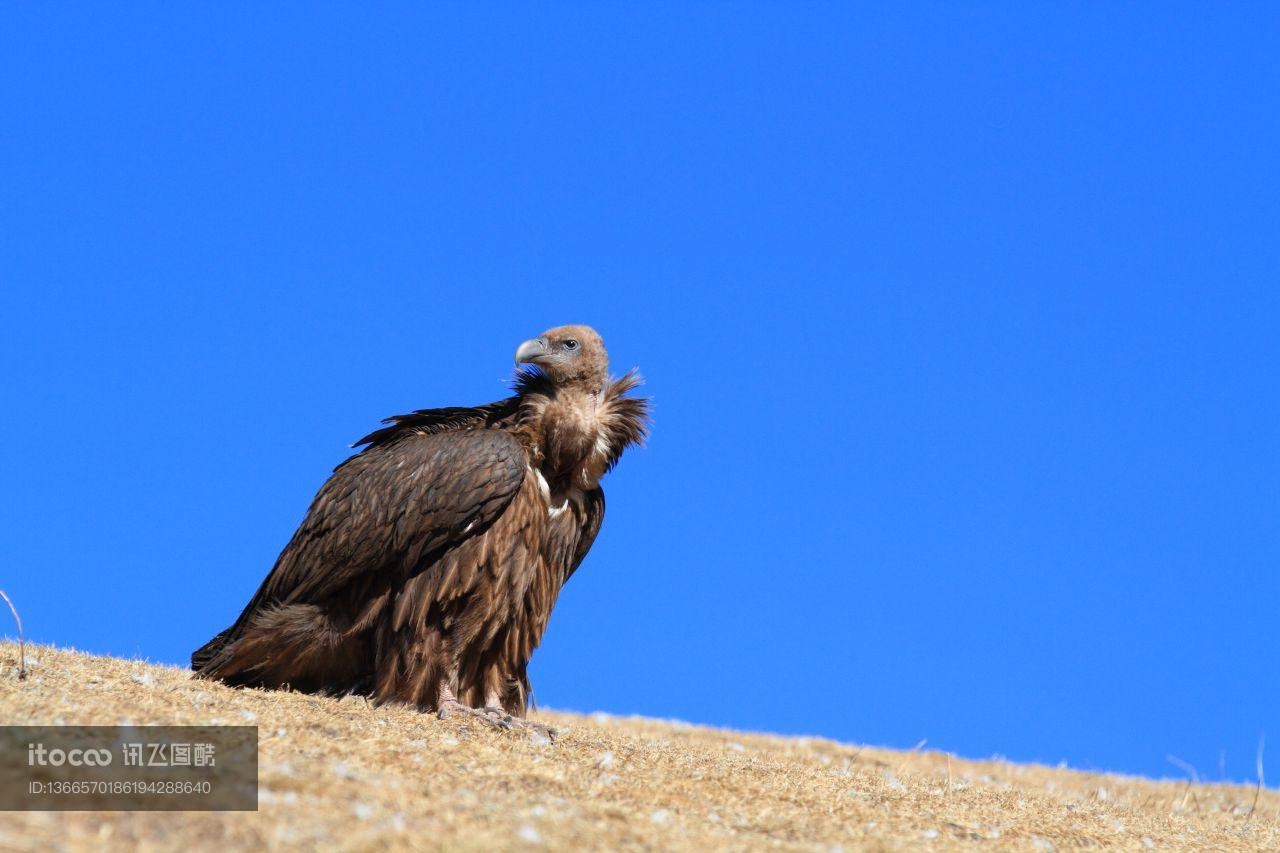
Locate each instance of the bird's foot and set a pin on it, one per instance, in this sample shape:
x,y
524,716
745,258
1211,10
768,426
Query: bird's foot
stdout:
x,y
495,718
492,717
536,730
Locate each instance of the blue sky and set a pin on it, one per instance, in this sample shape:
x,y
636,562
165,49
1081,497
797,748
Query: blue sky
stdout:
x,y
961,326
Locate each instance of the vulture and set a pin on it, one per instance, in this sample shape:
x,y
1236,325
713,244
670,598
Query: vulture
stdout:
x,y
427,565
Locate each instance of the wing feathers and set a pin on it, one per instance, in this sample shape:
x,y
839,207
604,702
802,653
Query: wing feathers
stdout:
x,y
391,507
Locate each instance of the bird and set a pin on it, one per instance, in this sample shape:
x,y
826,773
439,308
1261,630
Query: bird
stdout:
x,y
427,566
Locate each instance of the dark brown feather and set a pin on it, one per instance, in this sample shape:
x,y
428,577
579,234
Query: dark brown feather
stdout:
x,y
435,555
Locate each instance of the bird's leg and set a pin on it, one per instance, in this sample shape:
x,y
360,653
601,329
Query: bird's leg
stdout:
x,y
447,705
493,705
492,714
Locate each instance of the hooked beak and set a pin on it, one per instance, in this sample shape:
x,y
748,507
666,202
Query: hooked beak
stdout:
x,y
531,351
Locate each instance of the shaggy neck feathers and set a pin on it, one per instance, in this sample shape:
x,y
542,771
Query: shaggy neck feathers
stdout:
x,y
572,433
575,433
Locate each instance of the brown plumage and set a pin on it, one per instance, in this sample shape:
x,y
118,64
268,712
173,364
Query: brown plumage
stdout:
x,y
429,562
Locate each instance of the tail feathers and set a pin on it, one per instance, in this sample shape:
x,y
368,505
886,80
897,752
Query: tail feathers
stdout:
x,y
201,657
298,645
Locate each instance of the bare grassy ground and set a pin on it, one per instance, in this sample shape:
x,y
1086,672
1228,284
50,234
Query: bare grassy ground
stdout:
x,y
341,774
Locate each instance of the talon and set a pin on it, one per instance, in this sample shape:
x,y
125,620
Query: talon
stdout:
x,y
491,715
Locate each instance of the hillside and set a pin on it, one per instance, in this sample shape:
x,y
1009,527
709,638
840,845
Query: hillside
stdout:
x,y
339,773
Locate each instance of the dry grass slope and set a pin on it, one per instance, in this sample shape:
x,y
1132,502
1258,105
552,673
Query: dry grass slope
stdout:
x,y
340,774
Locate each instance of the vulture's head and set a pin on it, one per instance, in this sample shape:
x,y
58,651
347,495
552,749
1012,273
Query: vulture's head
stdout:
x,y
568,355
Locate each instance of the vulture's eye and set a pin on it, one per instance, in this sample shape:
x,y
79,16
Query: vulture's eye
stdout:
x,y
571,344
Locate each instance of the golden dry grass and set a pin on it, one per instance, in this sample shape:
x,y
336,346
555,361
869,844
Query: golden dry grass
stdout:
x,y
341,774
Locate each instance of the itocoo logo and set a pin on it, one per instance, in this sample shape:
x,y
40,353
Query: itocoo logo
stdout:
x,y
38,756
